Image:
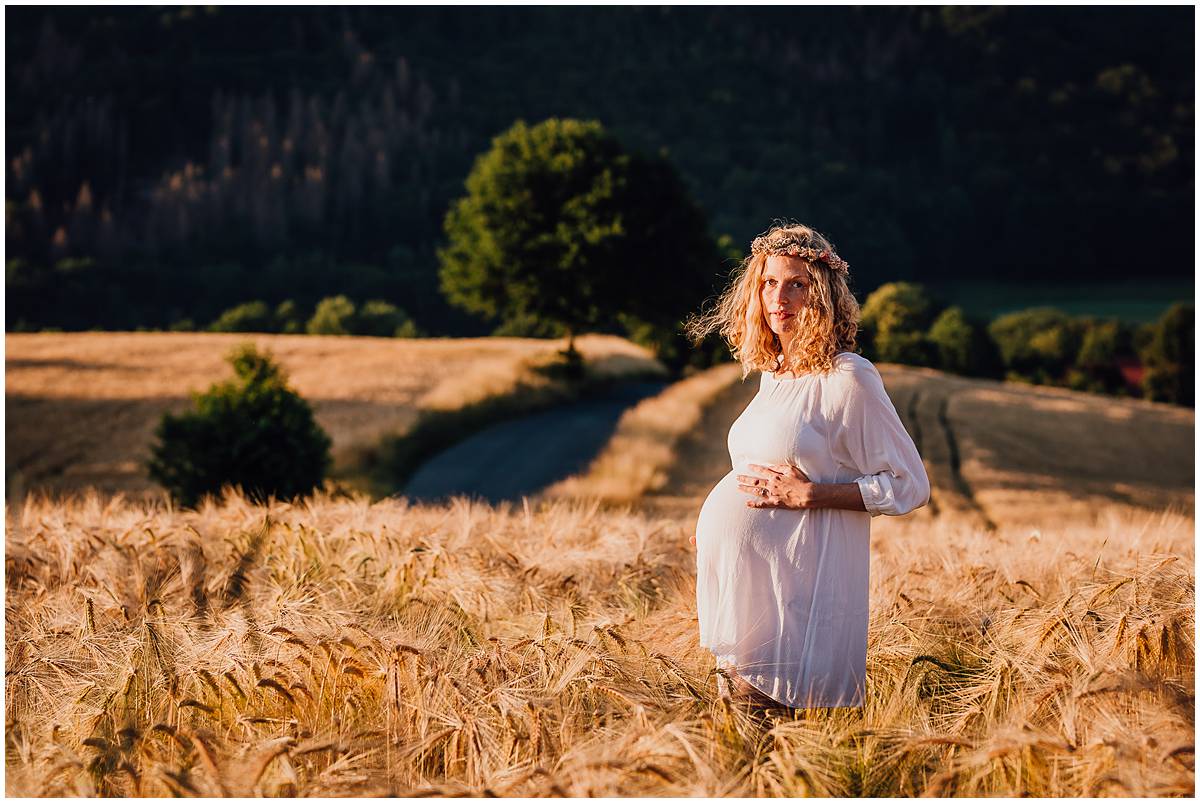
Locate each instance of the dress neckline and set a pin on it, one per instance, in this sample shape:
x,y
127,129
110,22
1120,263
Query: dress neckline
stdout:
x,y
778,378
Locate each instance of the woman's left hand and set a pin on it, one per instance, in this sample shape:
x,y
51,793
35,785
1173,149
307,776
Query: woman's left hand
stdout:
x,y
779,485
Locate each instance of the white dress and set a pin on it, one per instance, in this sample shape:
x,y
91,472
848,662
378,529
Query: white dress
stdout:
x,y
781,594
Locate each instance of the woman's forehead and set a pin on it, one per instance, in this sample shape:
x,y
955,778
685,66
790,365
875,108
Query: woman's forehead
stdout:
x,y
786,265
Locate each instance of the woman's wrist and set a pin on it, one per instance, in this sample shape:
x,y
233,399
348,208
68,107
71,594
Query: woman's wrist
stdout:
x,y
804,496
837,495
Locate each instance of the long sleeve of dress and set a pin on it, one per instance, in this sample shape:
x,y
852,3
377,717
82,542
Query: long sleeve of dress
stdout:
x,y
869,438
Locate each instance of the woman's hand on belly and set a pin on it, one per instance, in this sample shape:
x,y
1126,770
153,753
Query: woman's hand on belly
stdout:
x,y
780,485
786,486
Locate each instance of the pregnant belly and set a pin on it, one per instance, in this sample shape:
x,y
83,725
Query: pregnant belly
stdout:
x,y
727,525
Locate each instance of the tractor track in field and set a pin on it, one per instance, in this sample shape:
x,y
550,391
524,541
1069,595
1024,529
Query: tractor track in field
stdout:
x,y
923,405
914,430
955,462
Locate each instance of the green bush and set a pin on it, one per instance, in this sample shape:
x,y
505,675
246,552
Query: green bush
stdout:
x,y
1169,357
288,318
338,315
1103,344
254,433
962,345
253,316
1038,344
408,328
334,316
1142,335
378,318
894,321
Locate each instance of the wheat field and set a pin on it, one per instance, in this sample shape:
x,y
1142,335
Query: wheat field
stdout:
x,y
341,646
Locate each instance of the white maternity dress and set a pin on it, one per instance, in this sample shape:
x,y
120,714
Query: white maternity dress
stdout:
x,y
782,595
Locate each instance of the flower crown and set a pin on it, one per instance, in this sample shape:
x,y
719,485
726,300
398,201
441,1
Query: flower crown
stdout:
x,y
792,245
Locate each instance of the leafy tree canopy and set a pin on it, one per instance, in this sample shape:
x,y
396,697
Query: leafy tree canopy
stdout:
x,y
1170,357
962,344
894,321
561,225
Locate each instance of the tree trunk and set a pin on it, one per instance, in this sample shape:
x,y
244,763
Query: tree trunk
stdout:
x,y
574,360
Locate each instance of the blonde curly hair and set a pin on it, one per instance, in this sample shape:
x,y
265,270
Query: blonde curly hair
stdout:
x,y
826,325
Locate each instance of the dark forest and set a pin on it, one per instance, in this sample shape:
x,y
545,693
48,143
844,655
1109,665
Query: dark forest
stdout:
x,y
167,163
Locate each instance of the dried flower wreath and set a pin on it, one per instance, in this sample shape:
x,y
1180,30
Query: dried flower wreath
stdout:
x,y
794,246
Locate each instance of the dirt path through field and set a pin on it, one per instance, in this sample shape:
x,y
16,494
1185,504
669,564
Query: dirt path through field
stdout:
x,y
521,457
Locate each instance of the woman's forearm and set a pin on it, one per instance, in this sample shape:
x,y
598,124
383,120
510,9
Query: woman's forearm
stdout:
x,y
786,486
840,495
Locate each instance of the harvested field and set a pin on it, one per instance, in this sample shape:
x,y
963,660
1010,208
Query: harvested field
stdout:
x,y
81,408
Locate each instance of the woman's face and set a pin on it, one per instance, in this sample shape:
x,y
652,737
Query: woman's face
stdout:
x,y
785,286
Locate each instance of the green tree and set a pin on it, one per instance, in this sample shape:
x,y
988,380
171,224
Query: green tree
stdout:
x,y
962,345
562,230
1170,357
894,322
254,433
253,316
526,325
335,315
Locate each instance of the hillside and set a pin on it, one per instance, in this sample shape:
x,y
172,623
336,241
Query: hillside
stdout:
x,y
996,453
81,408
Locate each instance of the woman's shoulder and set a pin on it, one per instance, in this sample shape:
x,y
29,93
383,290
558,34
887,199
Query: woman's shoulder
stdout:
x,y
847,365
851,370
849,362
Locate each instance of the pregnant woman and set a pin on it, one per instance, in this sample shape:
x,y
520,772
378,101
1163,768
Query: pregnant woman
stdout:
x,y
783,540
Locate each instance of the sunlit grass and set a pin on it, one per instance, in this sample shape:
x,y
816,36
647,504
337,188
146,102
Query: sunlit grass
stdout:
x,y
340,647
641,451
